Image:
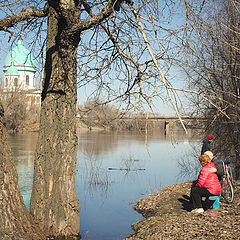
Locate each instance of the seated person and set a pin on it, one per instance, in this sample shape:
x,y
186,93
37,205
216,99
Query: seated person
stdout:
x,y
206,185
218,164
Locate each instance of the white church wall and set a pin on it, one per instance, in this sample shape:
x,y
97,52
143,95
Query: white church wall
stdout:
x,y
11,82
21,77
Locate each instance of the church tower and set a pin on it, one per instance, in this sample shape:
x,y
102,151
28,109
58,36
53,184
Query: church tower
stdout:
x,y
19,68
19,73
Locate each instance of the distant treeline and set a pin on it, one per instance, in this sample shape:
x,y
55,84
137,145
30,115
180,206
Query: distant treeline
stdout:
x,y
19,115
94,114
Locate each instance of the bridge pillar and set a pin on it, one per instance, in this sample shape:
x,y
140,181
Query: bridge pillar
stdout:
x,y
166,127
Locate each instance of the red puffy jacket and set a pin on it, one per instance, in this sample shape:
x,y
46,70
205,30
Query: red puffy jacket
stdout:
x,y
209,180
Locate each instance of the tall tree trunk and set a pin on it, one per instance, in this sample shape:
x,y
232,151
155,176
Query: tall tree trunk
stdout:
x,y
53,199
15,220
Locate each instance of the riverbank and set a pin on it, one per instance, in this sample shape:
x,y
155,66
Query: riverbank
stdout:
x,y
167,216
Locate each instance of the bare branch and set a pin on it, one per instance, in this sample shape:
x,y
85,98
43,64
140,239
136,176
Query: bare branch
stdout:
x,y
157,65
25,14
108,10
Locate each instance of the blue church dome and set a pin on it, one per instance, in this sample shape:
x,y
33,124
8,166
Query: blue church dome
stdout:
x,y
19,56
12,71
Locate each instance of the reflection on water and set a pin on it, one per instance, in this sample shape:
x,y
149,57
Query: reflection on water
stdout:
x,y
23,147
113,171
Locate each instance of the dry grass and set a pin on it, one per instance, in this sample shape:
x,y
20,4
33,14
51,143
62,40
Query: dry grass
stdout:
x,y
168,216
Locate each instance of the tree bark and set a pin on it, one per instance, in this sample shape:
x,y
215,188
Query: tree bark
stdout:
x,y
53,199
15,220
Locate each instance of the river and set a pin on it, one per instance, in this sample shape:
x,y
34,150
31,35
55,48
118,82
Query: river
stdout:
x,y
113,171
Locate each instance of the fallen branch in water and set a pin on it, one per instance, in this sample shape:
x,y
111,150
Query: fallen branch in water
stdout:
x,y
127,169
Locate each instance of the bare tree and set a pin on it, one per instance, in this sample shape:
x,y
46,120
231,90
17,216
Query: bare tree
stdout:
x,y
94,113
15,219
20,112
214,72
125,50
53,200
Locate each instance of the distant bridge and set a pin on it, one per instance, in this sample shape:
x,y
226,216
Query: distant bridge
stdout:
x,y
169,121
167,118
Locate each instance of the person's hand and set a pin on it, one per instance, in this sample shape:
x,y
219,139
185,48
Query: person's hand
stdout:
x,y
212,170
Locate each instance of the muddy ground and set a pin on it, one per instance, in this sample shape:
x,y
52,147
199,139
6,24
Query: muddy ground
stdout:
x,y
167,216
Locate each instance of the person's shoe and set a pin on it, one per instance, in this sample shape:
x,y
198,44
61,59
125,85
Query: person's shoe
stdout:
x,y
198,210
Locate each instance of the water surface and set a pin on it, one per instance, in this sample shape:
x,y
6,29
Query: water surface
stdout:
x,y
114,170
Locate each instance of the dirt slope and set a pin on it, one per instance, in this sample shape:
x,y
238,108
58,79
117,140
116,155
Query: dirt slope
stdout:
x,y
168,216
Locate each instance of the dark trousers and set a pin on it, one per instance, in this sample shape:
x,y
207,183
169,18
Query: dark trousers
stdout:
x,y
196,196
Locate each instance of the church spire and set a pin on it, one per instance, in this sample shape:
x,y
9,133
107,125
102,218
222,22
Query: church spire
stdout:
x,y
20,40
